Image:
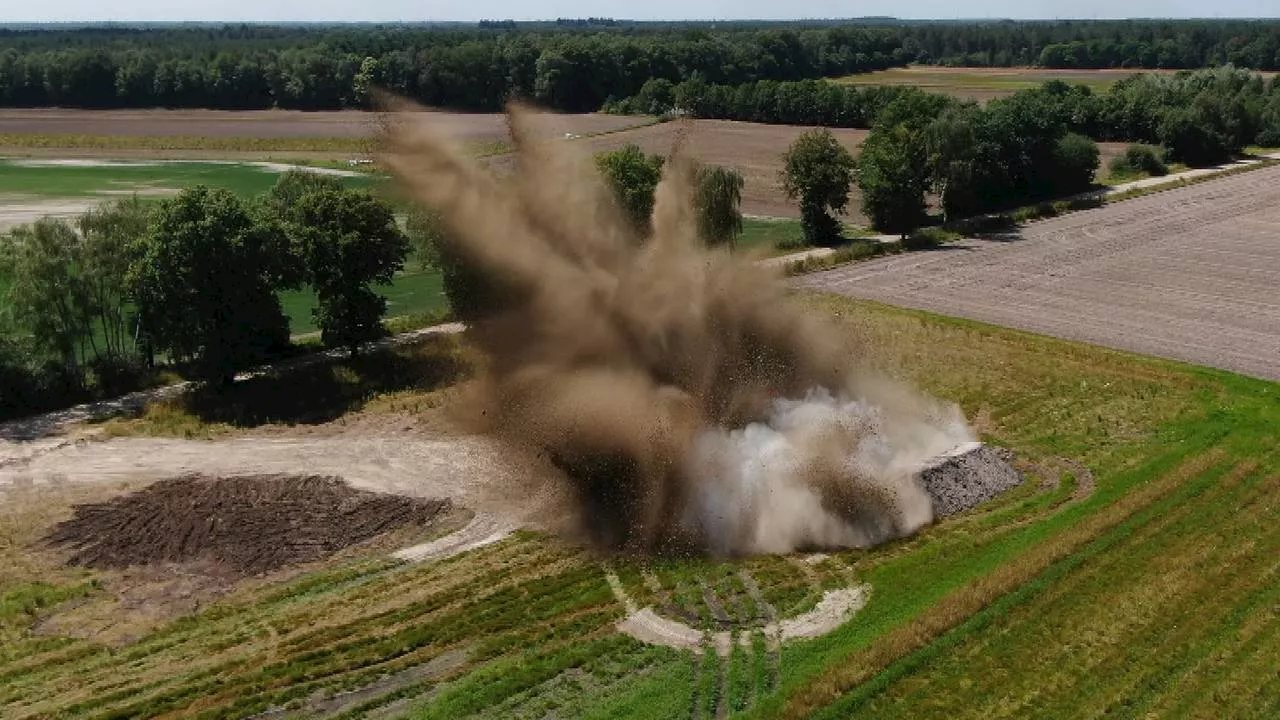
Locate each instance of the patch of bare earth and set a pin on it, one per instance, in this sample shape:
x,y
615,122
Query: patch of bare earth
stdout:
x,y
753,149
1189,274
244,524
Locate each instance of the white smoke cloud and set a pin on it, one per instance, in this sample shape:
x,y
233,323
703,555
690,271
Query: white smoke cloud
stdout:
x,y
778,485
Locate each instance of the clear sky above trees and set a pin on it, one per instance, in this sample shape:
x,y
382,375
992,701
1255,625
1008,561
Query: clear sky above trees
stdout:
x,y
361,10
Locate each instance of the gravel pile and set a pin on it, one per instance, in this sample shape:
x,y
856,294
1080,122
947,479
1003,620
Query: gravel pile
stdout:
x,y
968,476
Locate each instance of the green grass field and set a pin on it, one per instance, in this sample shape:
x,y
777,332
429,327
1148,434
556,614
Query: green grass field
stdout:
x,y
88,179
762,236
1147,587
413,292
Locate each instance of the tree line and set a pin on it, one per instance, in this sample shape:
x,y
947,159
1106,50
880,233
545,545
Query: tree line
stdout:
x,y
92,305
974,159
472,70
1201,117
1030,147
195,279
561,66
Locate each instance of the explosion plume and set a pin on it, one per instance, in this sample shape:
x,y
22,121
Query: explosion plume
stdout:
x,y
690,404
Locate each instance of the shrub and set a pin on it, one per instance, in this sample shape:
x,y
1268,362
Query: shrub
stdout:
x,y
1140,158
1026,214
1075,159
979,224
929,237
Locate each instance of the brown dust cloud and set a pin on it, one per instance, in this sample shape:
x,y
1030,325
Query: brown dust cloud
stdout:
x,y
691,404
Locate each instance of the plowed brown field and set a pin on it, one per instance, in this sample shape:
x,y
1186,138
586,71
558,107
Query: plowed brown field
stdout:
x,y
1191,274
477,127
754,149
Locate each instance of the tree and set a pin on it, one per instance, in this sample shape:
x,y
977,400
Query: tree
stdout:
x,y
110,235
718,201
424,230
1193,137
953,158
471,294
818,172
284,198
363,82
1269,118
893,174
633,176
349,240
50,294
205,282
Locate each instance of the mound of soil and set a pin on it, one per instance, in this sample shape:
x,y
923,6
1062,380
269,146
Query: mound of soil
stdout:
x,y
250,524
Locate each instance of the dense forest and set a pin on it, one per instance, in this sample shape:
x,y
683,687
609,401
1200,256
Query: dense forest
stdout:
x,y
563,65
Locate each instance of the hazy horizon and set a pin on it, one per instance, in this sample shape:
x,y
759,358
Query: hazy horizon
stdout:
x,y
91,11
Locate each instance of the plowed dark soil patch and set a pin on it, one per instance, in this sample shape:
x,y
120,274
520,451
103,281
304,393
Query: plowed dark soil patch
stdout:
x,y
250,524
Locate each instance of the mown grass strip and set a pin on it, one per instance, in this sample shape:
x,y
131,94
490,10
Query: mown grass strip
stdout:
x,y
1078,570
826,690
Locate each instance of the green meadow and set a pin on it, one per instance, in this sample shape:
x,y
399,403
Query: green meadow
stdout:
x,y
86,179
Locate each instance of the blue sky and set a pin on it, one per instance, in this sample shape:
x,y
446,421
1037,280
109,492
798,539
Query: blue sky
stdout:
x,y
413,10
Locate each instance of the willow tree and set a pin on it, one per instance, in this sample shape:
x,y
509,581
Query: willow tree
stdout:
x,y
718,202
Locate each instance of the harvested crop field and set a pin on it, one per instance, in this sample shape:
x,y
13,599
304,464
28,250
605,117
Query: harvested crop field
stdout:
x,y
1189,273
991,83
248,524
754,149
274,124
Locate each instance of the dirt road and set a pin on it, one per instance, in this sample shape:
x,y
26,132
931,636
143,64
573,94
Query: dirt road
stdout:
x,y
1191,274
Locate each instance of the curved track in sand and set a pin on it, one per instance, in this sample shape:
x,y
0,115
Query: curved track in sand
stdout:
x,y
834,609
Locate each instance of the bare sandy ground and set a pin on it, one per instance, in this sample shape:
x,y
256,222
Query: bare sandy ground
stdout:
x,y
475,472
506,490
24,210
1191,274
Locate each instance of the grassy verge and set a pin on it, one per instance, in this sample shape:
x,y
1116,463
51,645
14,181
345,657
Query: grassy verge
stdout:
x,y
774,237
1183,182
1153,595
